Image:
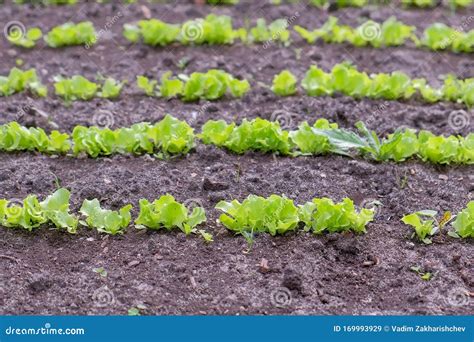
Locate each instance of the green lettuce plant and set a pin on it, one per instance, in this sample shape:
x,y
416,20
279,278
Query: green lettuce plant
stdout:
x,y
104,220
169,136
257,135
464,223
167,213
14,137
212,85
26,40
284,84
18,81
80,88
424,223
27,215
276,31
273,215
346,79
323,215
70,34
56,210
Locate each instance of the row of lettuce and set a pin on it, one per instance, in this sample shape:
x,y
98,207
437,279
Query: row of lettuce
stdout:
x,y
214,84
219,30
274,215
325,4
171,136
74,2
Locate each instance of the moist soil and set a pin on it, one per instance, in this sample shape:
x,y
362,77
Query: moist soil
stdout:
x,y
51,272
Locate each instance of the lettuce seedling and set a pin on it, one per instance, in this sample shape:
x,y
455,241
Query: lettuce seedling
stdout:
x,y
257,135
423,227
18,81
93,141
111,88
153,32
80,88
346,79
464,223
172,136
166,213
275,31
70,34
419,3
105,221
390,33
273,215
442,37
170,87
56,209
27,40
284,84
27,216
439,149
310,142
167,137
212,30
322,214
75,88
211,85
147,85
14,137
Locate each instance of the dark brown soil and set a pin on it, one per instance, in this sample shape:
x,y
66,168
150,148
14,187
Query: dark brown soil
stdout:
x,y
50,272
